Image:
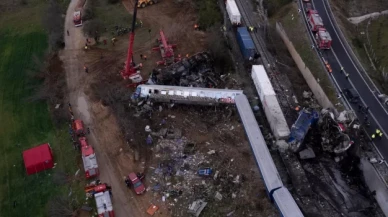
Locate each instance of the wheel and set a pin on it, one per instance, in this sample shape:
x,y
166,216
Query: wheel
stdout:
x,y
143,5
151,3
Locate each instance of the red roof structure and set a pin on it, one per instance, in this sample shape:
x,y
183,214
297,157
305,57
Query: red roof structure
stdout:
x,y
38,158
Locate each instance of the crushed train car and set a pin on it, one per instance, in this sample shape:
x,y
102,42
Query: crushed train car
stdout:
x,y
194,71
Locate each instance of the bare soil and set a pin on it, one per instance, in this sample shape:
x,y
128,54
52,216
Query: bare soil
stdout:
x,y
102,100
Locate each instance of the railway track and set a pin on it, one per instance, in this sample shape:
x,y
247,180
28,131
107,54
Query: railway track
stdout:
x,y
283,89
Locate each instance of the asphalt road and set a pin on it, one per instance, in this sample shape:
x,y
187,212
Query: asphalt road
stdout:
x,y
338,56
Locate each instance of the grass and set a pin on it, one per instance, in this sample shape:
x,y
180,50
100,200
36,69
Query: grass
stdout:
x,y
103,11
357,40
297,33
24,125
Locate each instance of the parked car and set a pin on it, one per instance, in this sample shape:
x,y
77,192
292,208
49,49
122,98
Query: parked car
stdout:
x,y
352,95
308,7
137,184
306,0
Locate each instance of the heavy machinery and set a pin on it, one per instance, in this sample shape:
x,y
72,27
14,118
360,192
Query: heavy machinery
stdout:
x,y
144,3
166,50
314,20
323,39
131,70
77,18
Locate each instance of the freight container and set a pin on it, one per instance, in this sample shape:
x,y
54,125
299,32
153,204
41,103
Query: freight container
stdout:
x,y
262,83
271,106
245,42
233,12
275,117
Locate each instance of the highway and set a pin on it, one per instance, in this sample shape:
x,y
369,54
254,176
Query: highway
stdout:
x,y
339,56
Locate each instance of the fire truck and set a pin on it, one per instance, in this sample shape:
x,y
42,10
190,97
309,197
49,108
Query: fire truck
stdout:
x,y
314,20
102,196
89,159
77,19
323,39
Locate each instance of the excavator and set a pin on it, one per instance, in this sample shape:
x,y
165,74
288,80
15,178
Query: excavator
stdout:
x,y
144,3
131,70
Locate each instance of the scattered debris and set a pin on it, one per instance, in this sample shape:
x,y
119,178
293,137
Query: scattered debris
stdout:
x,y
196,207
152,209
195,71
307,153
218,196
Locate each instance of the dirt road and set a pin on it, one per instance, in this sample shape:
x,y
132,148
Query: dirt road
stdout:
x,y
102,140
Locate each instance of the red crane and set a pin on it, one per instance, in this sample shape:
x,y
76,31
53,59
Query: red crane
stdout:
x,y
131,70
166,51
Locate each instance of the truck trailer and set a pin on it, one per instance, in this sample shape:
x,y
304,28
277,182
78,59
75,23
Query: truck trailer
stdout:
x,y
245,43
233,12
271,106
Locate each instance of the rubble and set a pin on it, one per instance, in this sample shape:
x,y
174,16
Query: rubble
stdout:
x,y
218,196
307,153
334,131
196,207
195,71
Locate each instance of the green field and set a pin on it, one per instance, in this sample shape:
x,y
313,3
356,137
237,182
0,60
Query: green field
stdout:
x,y
24,125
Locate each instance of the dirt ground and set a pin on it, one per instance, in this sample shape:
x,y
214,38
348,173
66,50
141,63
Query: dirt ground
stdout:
x,y
116,151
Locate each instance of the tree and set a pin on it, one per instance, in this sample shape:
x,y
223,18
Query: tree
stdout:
x,y
218,48
113,1
53,23
93,28
61,206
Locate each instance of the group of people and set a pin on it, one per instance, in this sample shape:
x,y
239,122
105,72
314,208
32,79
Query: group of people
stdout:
x,y
378,134
252,29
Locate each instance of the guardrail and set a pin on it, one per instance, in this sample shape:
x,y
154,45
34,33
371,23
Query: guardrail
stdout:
x,y
345,102
348,47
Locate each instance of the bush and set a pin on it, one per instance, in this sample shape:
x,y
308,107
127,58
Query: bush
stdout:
x,y
113,1
93,28
273,6
87,14
53,23
209,13
217,46
357,42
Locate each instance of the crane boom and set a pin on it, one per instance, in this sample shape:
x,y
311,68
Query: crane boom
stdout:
x,y
130,68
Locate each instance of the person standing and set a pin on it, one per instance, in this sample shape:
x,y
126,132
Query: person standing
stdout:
x,y
86,69
68,33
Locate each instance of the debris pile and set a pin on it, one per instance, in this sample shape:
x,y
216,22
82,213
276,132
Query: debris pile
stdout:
x,y
195,71
184,173
335,131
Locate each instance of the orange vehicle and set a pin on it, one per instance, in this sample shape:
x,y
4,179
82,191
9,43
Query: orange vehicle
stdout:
x,y
78,127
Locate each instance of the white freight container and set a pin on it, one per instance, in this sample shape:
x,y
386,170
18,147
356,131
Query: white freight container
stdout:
x,y
275,117
262,83
233,12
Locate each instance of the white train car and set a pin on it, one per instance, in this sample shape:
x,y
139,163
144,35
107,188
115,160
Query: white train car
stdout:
x,y
233,12
271,106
